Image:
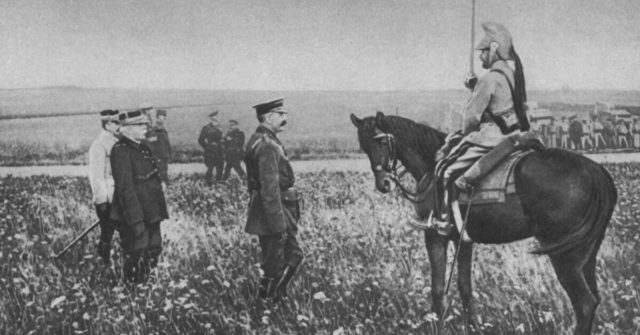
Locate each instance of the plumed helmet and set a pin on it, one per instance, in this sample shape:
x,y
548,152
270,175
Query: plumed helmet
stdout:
x,y
495,32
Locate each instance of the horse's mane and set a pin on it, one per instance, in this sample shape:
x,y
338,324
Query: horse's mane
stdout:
x,y
421,137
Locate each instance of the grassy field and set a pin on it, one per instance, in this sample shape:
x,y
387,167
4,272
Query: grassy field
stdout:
x,y
364,272
319,121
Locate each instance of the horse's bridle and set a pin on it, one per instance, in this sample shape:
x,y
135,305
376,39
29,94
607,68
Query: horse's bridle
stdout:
x,y
392,166
392,161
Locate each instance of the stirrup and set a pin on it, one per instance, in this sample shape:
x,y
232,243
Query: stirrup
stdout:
x,y
459,221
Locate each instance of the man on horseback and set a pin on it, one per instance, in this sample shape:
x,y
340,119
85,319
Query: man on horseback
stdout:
x,y
494,112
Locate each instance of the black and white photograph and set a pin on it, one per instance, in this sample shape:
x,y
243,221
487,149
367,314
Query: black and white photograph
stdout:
x,y
337,167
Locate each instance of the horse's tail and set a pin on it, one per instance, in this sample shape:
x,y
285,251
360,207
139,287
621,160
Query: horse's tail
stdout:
x,y
594,222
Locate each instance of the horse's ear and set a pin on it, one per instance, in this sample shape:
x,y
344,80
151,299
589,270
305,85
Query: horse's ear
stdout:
x,y
381,121
355,120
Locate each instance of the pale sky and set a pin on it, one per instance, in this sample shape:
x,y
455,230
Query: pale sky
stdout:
x,y
310,45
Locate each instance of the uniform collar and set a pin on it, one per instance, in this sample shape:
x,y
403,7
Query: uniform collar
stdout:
x,y
130,142
501,65
266,130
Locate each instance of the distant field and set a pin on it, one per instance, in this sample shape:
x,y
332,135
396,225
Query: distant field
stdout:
x,y
320,126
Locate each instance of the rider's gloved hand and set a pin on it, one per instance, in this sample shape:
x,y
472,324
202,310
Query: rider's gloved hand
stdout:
x,y
470,81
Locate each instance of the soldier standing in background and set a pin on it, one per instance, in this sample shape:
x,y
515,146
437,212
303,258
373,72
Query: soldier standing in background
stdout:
x,y
598,128
553,134
636,133
622,134
138,200
158,141
210,140
101,180
274,210
564,133
233,150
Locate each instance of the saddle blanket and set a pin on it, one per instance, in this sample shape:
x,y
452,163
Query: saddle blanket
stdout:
x,y
497,184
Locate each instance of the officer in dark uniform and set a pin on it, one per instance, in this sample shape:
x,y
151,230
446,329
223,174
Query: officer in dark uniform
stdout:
x,y
233,150
158,142
210,140
138,200
273,206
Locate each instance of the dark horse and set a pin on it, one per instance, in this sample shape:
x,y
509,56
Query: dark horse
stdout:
x,y
563,199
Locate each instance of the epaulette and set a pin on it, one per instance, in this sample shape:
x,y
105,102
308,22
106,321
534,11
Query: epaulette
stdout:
x,y
264,138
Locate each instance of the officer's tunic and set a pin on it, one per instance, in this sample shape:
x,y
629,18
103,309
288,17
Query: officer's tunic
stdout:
x,y
233,152
210,140
273,206
138,201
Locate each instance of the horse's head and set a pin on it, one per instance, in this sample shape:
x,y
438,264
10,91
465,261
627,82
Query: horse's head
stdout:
x,y
379,144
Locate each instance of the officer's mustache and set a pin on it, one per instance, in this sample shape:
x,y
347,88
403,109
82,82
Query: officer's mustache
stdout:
x,y
284,122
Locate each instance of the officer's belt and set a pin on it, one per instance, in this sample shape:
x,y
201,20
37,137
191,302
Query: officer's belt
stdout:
x,y
147,176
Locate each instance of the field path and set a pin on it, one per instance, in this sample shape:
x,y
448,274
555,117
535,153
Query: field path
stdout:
x,y
298,166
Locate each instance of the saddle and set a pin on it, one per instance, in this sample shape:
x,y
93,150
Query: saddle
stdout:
x,y
491,176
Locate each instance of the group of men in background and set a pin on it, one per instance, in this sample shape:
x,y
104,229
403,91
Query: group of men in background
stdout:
x,y
589,135
221,148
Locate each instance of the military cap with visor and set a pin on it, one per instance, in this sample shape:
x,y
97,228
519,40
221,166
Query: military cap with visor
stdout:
x,y
495,32
133,118
160,112
214,113
109,115
275,106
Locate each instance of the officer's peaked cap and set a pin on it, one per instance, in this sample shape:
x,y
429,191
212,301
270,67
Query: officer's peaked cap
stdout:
x,y
270,106
235,122
133,117
109,115
161,112
495,32
214,113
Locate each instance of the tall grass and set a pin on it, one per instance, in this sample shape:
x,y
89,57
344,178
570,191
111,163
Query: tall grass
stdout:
x,y
364,272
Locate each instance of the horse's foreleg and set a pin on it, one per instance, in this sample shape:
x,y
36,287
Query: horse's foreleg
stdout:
x,y
464,282
437,249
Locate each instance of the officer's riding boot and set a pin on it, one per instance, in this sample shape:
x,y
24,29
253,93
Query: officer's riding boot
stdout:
x,y
267,287
288,273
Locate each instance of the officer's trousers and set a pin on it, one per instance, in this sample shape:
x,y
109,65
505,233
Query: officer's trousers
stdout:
x,y
141,248
211,163
235,164
278,252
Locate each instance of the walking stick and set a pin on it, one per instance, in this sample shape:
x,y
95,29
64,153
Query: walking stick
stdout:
x,y
78,238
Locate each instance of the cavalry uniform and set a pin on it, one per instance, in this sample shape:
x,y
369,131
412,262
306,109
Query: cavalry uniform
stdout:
x,y
138,204
490,116
101,182
160,146
233,152
210,140
273,208
491,96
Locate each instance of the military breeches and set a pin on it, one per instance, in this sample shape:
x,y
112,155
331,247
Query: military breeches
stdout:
x,y
211,163
279,251
461,158
235,164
